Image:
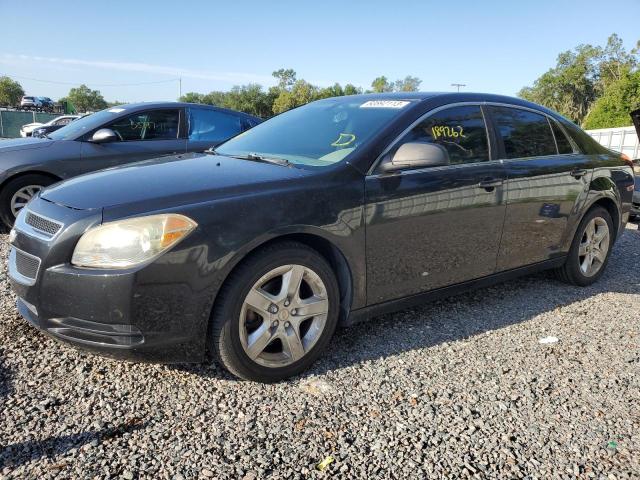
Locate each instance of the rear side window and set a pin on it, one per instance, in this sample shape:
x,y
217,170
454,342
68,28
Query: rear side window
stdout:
x,y
460,130
150,125
564,145
524,133
212,125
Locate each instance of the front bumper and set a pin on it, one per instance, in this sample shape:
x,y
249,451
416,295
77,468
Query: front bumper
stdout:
x,y
158,312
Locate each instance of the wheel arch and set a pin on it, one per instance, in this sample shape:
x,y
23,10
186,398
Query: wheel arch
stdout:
x,y
325,247
610,206
25,173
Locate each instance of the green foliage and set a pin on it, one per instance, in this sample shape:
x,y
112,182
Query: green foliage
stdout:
x,y
10,92
86,100
382,84
620,98
287,94
581,77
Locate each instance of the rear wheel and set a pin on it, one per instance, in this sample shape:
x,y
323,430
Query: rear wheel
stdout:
x,y
590,249
275,314
17,192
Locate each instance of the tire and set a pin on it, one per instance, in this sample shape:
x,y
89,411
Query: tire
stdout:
x,y
234,322
12,187
573,271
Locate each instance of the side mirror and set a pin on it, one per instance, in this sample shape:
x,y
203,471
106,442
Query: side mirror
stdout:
x,y
413,155
104,135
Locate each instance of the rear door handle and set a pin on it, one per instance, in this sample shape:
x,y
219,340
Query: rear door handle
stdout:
x,y
578,173
490,183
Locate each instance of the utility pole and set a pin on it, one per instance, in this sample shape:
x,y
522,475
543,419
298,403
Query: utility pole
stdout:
x,y
458,85
179,87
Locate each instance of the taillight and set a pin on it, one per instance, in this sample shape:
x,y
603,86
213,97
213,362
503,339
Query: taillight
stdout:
x,y
635,167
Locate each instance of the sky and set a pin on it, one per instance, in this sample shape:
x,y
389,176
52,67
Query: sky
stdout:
x,y
121,47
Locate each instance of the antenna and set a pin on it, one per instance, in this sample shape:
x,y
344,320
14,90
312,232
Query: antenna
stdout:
x,y
458,85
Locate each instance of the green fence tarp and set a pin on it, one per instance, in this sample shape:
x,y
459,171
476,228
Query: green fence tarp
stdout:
x,y
11,121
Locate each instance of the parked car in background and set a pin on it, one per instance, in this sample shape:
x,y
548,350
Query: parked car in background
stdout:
x,y
331,212
52,125
46,104
111,137
635,207
29,102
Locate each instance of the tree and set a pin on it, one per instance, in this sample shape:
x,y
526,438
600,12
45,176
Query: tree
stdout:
x,y
620,98
250,99
192,97
382,84
409,84
351,89
581,77
286,78
85,100
301,92
10,92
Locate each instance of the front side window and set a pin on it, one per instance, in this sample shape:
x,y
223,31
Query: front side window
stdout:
x,y
205,124
150,125
460,130
524,133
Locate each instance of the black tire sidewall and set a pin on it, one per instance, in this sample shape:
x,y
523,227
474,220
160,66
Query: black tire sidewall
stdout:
x,y
573,261
11,187
229,346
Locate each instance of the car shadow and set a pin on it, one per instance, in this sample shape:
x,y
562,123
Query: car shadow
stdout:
x,y
462,316
16,454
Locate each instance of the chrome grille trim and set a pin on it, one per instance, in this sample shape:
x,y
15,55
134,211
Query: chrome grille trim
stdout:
x,y
37,225
23,267
43,224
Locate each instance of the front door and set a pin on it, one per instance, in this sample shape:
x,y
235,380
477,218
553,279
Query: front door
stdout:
x,y
142,135
437,226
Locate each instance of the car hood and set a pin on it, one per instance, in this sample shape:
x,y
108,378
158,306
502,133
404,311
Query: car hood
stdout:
x,y
168,182
24,144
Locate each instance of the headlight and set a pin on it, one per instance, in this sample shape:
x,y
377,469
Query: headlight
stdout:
x,y
130,242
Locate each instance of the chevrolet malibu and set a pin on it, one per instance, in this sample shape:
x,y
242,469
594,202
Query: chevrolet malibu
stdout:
x,y
327,214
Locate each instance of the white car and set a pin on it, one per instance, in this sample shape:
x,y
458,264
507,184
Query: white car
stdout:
x,y
28,129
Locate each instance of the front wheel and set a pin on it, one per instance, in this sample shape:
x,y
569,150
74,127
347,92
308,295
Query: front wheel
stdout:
x,y
590,249
276,313
17,193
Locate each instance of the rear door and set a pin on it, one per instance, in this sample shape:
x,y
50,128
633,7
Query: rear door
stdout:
x,y
437,226
547,182
208,128
142,135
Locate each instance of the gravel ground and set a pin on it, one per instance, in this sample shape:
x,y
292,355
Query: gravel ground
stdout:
x,y
460,388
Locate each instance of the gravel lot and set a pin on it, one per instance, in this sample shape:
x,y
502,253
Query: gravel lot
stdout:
x,y
460,388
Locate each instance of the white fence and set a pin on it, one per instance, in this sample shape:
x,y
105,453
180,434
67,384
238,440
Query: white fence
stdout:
x,y
621,139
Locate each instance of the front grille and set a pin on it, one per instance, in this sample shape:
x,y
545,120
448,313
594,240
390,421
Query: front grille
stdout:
x,y
26,265
42,224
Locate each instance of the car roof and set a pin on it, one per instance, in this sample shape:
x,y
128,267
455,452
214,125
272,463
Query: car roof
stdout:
x,y
446,97
143,105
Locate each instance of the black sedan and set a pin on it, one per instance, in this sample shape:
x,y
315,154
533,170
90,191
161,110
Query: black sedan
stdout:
x,y
111,137
327,214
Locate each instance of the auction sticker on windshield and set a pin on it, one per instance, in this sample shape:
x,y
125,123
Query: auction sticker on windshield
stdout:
x,y
384,104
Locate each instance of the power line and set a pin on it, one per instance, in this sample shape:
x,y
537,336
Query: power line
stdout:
x,y
97,84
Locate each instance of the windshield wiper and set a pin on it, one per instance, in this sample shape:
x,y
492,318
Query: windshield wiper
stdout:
x,y
255,157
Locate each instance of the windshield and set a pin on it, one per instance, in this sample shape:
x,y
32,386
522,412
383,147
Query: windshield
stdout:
x,y
318,134
85,124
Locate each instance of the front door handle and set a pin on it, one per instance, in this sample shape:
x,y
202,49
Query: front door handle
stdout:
x,y
490,183
578,173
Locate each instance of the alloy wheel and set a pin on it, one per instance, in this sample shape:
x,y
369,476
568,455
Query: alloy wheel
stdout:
x,y
22,196
594,246
283,315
